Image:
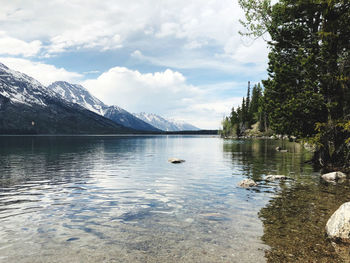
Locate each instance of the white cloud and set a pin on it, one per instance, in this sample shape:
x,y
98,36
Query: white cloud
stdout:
x,y
44,73
219,62
132,90
112,24
207,113
166,93
247,51
94,35
14,46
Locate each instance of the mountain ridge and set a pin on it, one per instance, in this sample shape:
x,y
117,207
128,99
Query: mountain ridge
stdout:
x,y
76,93
28,107
165,124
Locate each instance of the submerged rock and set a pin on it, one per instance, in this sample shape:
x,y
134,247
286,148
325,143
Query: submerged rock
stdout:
x,y
275,177
247,183
176,160
279,149
334,176
338,226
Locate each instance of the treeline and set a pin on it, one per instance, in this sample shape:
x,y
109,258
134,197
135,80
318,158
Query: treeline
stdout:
x,y
307,93
250,112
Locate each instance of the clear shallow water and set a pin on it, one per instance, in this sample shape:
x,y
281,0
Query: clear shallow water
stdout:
x,y
118,199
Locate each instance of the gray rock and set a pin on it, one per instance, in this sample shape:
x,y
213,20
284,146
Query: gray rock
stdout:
x,y
176,160
279,149
247,183
334,176
275,177
338,226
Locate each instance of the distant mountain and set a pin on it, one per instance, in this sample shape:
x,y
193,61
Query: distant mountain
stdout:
x,y
165,124
75,93
183,126
26,106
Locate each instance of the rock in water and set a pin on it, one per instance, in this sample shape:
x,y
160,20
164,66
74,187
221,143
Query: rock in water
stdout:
x,y
247,183
279,149
275,177
176,160
333,176
338,226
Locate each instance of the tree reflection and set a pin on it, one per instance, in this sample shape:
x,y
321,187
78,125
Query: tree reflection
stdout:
x,y
294,222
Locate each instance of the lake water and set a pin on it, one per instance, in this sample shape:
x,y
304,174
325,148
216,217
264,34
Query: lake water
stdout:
x,y
118,199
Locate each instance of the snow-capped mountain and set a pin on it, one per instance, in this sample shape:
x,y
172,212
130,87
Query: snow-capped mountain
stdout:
x,y
165,124
127,119
75,93
183,126
26,106
20,88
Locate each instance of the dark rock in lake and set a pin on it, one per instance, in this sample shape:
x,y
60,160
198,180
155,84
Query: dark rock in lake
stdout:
x,y
176,160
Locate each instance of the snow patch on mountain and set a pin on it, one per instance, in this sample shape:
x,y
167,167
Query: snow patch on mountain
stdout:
x,y
165,124
76,93
20,88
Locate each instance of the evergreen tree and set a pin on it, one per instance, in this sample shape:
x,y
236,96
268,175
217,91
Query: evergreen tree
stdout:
x,y
307,92
244,116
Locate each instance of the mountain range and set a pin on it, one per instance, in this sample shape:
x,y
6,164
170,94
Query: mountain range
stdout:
x,y
75,93
165,124
27,106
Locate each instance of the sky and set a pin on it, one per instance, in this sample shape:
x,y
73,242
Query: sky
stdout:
x,y
181,59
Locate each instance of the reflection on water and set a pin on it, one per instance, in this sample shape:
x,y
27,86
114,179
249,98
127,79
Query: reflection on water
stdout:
x,y
295,217
118,199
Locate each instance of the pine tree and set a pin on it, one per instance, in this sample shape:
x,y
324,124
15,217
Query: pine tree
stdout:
x,y
307,92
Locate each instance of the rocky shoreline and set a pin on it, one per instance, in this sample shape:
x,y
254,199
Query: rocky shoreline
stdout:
x,y
337,229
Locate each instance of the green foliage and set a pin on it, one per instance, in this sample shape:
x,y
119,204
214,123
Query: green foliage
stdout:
x,y
257,16
307,92
250,112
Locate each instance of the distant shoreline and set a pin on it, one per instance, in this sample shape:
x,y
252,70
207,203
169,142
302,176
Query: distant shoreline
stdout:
x,y
136,133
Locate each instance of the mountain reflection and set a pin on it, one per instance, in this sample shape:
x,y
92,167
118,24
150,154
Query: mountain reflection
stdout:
x,y
53,159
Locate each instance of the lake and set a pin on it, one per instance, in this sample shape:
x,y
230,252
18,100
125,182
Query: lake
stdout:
x,y
118,199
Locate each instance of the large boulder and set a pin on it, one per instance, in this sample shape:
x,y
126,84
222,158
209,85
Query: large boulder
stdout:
x,y
246,183
334,176
338,226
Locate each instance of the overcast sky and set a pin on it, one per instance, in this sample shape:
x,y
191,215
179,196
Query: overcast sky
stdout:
x,y
180,59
